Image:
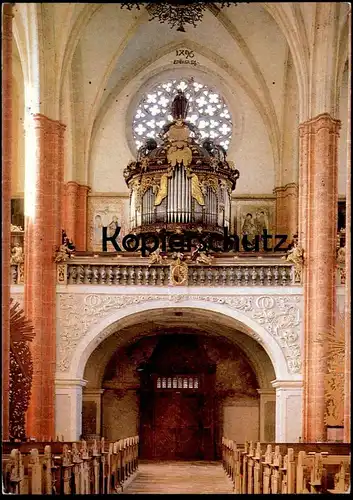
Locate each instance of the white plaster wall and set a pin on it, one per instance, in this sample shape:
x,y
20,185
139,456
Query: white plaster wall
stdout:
x,y
100,41
289,169
241,421
120,414
267,44
67,119
308,16
254,25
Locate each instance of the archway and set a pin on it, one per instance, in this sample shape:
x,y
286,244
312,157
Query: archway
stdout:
x,y
87,344
180,388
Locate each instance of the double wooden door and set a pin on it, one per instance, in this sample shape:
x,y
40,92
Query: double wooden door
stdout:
x,y
176,425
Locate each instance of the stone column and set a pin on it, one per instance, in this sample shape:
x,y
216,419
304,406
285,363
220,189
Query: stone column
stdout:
x,y
92,403
267,415
6,207
347,382
68,404
81,221
287,210
318,235
71,190
75,213
42,236
289,395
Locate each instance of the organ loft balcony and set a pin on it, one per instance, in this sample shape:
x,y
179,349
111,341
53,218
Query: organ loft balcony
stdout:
x,y
180,213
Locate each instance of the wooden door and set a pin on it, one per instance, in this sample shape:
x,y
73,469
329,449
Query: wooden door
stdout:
x,y
172,427
177,426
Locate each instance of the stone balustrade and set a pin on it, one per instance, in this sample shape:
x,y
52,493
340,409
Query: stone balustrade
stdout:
x,y
276,273
261,272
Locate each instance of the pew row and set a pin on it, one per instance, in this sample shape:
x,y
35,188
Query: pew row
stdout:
x,y
287,468
97,467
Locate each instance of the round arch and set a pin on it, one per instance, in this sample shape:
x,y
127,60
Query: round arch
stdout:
x,y
158,321
102,329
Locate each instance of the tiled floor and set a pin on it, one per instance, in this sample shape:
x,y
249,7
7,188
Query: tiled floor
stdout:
x,y
180,477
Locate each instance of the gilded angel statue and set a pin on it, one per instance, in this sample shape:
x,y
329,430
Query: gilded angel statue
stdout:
x,y
163,188
196,191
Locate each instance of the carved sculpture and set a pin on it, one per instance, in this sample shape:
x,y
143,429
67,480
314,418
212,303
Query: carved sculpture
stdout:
x,y
296,255
201,257
155,257
179,151
65,250
180,106
196,191
341,264
16,229
17,256
21,369
179,272
163,188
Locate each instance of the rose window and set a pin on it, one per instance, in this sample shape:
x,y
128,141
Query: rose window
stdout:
x,y
207,111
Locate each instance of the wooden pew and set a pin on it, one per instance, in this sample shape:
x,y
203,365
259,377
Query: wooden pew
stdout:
x,y
342,477
266,470
276,472
257,473
286,468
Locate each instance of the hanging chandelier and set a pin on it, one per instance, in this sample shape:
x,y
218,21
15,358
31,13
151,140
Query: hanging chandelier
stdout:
x,y
176,12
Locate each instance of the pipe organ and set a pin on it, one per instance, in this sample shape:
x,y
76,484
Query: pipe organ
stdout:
x,y
180,184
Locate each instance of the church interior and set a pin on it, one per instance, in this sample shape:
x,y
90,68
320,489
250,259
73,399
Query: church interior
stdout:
x,y
176,224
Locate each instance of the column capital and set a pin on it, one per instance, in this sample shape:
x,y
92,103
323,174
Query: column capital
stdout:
x,y
287,384
93,392
70,382
42,119
83,187
72,185
266,392
323,120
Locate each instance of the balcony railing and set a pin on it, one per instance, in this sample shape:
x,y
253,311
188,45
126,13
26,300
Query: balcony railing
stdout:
x,y
256,271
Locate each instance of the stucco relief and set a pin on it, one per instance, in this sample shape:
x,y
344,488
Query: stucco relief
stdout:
x,y
279,315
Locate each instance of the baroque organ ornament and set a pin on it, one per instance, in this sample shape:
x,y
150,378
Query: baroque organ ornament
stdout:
x,y
179,182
